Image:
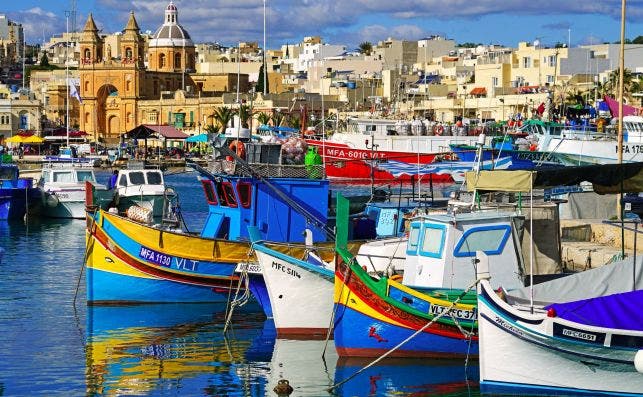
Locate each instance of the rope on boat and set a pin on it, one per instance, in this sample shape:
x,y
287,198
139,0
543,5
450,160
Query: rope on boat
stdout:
x,y
90,245
416,333
238,301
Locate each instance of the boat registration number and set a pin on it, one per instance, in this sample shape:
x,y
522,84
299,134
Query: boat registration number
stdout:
x,y
455,312
253,268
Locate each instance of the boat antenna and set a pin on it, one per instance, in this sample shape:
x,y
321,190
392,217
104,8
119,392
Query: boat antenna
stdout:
x,y
67,14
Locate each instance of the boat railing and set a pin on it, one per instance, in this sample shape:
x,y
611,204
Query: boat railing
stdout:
x,y
316,171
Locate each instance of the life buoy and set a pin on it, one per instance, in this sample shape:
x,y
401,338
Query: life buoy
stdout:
x,y
239,148
439,130
533,147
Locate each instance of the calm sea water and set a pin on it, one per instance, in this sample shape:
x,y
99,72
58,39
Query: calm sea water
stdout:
x,y
54,345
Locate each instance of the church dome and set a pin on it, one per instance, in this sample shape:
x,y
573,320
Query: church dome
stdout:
x,y
171,33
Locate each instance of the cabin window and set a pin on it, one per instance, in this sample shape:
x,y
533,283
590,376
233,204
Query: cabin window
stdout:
x,y
154,178
244,190
221,194
489,239
8,173
414,235
137,178
228,193
85,176
45,176
432,242
63,177
208,189
122,180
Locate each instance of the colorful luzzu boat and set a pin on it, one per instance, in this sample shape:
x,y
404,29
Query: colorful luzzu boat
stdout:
x,y
128,261
432,306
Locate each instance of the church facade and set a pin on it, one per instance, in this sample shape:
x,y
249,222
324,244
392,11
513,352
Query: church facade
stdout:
x,y
121,91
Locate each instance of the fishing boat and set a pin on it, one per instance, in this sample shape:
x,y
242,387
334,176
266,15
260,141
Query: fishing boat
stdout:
x,y
585,145
63,190
159,265
430,304
347,155
69,155
17,194
587,347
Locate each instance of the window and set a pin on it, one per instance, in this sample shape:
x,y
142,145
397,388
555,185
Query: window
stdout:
x,y
137,178
161,60
489,239
177,61
122,180
63,177
526,62
85,176
208,189
88,54
228,192
551,60
414,235
128,53
154,178
432,240
550,79
494,81
244,190
221,194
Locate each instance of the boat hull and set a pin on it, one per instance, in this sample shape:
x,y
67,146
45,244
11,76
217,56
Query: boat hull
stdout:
x,y
128,262
343,163
519,355
14,203
368,325
300,297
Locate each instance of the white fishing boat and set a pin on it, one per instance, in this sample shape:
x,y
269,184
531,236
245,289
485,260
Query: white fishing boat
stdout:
x,y
586,347
63,188
584,145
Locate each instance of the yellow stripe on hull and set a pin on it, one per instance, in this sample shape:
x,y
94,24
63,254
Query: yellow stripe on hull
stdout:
x,y
100,258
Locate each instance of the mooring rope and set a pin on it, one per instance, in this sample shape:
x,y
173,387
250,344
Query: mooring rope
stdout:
x,y
416,333
238,301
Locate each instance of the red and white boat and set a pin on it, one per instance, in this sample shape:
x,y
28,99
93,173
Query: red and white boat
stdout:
x,y
347,154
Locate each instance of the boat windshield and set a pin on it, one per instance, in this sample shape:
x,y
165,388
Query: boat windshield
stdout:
x,y
137,178
8,173
154,178
85,176
62,176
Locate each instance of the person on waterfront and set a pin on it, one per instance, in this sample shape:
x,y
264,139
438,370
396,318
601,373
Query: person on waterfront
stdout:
x,y
112,180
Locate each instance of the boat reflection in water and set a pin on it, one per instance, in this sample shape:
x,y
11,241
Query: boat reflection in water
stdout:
x,y
180,349
154,349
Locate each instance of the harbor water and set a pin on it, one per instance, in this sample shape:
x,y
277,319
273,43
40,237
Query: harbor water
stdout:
x,y
53,344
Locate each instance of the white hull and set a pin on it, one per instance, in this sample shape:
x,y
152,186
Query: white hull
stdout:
x,y
64,203
301,299
518,352
386,255
582,152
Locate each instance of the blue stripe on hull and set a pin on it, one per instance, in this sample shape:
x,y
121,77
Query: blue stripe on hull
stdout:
x,y
367,336
515,389
258,288
112,287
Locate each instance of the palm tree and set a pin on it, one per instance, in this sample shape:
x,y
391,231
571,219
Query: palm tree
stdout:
x,y
263,118
612,83
365,48
244,115
294,122
222,116
212,129
277,118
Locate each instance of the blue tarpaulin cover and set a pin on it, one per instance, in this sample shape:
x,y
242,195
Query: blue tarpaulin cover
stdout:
x,y
619,311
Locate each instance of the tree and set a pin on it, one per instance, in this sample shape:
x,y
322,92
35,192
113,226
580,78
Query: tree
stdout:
x,y
260,81
244,115
212,129
365,48
294,122
44,61
222,116
629,84
277,118
638,40
263,118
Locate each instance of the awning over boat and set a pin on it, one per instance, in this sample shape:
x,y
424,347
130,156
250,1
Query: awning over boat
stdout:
x,y
478,91
605,178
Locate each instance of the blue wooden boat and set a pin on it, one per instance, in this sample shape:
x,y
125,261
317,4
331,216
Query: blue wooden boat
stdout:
x,y
128,261
17,194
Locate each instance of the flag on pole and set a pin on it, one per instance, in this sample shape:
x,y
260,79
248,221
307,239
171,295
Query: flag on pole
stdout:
x,y
73,91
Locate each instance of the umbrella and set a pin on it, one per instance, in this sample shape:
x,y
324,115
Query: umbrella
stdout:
x,y
197,138
33,139
16,139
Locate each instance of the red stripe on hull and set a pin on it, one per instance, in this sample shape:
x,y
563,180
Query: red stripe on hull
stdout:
x,y
303,333
400,353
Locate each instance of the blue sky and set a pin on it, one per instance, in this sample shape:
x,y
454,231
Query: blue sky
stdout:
x,y
349,21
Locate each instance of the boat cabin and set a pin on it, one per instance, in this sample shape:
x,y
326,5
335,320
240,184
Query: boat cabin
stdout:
x,y
236,202
66,175
441,249
128,178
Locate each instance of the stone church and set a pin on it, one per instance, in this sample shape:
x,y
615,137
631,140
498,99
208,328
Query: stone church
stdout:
x,y
157,85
